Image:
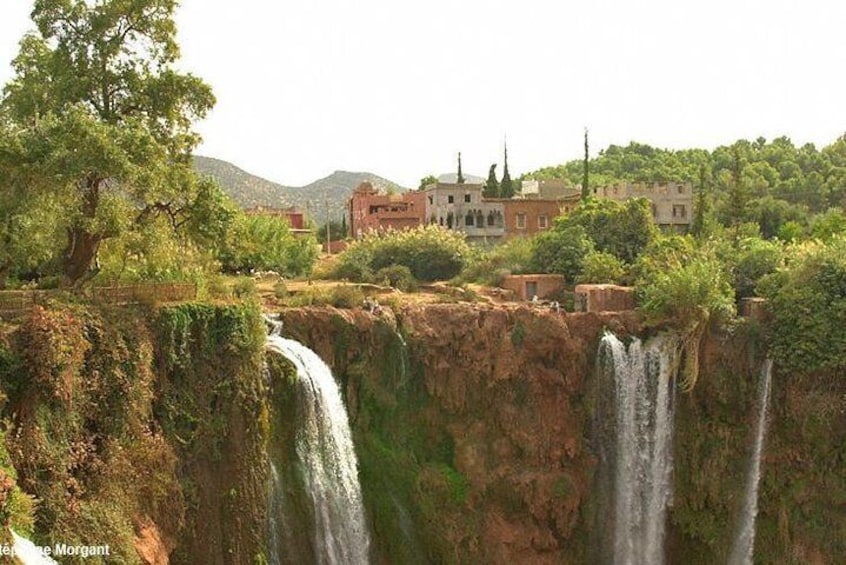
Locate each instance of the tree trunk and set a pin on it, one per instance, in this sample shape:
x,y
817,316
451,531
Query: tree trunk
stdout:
x,y
82,244
82,250
4,274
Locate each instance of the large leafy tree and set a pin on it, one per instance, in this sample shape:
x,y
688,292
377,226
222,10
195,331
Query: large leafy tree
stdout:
x,y
102,117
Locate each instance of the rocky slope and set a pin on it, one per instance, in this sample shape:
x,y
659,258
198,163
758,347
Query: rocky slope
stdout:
x,y
326,195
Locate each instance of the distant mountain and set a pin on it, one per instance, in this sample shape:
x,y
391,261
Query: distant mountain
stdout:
x,y
329,193
246,189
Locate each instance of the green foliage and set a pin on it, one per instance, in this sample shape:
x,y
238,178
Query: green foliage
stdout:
x,y
561,250
491,189
397,276
807,299
756,258
102,120
518,334
829,224
687,294
429,252
773,213
265,243
488,267
601,268
506,186
623,230
427,180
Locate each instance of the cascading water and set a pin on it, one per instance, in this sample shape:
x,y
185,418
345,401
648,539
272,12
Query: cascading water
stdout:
x,y
642,455
744,545
28,553
326,465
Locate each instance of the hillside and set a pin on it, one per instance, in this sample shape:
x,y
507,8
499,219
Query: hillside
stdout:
x,y
250,190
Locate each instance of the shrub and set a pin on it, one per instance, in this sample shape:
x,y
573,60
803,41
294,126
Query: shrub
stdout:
x,y
561,251
807,302
265,243
601,268
429,252
623,230
397,276
346,296
244,287
510,258
687,295
280,290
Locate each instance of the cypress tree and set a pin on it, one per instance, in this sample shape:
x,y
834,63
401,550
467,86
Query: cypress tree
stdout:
x,y
698,227
585,183
506,186
491,189
460,178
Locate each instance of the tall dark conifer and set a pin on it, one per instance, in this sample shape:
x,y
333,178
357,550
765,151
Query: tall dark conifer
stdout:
x,y
586,172
506,186
460,178
701,211
491,189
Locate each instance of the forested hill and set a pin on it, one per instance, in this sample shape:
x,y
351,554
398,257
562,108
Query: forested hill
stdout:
x,y
330,192
804,175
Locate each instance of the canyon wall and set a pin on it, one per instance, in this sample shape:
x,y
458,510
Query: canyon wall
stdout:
x,y
475,425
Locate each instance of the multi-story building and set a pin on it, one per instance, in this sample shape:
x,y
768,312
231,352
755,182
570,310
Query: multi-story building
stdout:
x,y
370,210
549,190
672,203
528,216
461,207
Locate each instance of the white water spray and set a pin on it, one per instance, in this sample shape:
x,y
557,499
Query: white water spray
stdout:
x,y
744,545
324,448
643,489
28,553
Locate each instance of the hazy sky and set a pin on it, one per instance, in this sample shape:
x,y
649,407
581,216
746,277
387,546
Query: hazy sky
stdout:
x,y
398,88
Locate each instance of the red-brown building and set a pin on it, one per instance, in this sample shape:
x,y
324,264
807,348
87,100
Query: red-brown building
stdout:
x,y
369,210
296,218
526,217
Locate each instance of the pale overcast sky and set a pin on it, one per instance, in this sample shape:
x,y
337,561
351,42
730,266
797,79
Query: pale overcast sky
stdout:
x,y
398,88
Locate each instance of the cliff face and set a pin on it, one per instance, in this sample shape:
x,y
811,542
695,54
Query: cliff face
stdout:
x,y
477,442
473,436
140,430
475,428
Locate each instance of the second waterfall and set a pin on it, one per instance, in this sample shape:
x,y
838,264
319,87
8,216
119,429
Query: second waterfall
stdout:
x,y
640,458
317,480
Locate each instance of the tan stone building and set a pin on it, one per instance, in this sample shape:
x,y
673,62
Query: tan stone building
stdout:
x,y
526,287
461,207
672,203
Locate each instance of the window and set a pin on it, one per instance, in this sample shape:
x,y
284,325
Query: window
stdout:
x,y
431,200
490,218
468,219
679,211
451,199
521,221
543,221
467,198
681,189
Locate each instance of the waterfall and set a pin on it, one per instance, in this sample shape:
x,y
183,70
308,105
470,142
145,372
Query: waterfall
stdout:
x,y
326,464
744,545
28,553
642,460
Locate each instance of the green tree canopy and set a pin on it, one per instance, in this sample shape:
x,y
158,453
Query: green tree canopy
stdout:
x,y
622,229
100,114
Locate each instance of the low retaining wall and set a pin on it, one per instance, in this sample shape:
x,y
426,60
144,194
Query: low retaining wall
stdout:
x,y
603,298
